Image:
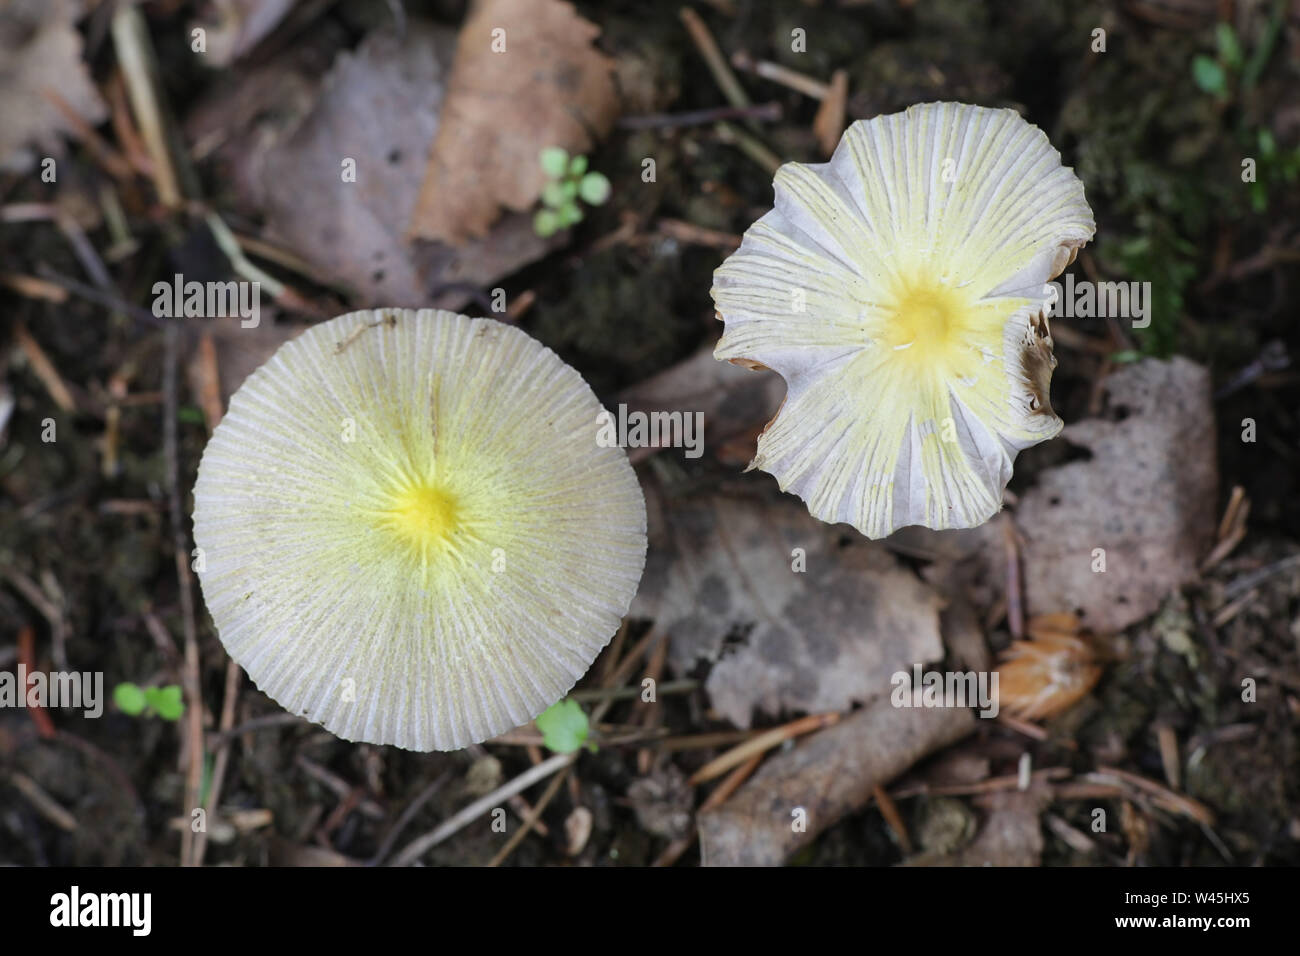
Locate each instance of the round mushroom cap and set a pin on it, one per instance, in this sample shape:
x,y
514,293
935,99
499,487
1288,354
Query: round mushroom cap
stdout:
x,y
409,530
901,291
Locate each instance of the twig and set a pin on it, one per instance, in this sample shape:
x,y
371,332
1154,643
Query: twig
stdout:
x,y
257,723
48,607
761,744
628,693
713,58
339,787
44,369
27,662
533,817
454,824
135,55
889,810
386,845
770,112
1256,578
109,300
45,805
229,701
1161,795
190,676
698,235
791,79
750,146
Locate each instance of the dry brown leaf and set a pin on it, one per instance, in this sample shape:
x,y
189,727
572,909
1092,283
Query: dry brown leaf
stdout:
x,y
40,53
1049,673
1147,497
379,107
526,77
720,579
829,775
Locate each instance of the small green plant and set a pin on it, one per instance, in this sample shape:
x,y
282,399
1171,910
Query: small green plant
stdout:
x,y
567,181
164,702
1211,73
564,727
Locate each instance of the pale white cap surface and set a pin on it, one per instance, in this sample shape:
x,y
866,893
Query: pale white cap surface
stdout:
x,y
899,290
411,533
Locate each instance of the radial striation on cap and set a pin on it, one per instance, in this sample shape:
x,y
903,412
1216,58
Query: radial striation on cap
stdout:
x,y
409,529
901,291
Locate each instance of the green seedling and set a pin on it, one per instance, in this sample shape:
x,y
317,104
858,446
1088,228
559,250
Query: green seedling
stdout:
x,y
567,181
564,727
164,702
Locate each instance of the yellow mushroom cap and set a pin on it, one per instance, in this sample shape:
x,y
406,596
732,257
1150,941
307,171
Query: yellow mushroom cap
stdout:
x,y
409,531
900,290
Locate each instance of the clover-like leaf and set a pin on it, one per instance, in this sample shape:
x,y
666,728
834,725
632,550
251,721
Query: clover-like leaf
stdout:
x,y
564,726
130,699
594,189
554,161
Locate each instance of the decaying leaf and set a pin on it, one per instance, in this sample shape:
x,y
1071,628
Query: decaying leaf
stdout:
x,y
1143,507
1049,673
794,620
335,172
40,56
526,77
828,776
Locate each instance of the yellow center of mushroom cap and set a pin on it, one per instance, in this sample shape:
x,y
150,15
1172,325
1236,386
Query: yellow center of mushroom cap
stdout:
x,y
424,514
927,319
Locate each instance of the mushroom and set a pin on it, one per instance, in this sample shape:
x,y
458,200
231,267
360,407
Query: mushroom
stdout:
x,y
409,531
901,291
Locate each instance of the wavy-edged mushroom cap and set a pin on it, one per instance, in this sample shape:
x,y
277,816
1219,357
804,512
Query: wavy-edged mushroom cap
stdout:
x,y
410,532
900,290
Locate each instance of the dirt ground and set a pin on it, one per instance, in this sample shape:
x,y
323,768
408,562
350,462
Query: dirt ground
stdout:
x,y
1187,771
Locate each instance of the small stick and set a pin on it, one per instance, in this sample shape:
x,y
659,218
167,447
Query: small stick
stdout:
x,y
717,63
698,235
45,805
44,369
1168,741
134,54
27,661
652,716
229,701
683,686
889,810
338,786
770,112
454,824
791,79
110,159
193,723
750,146
533,817
1162,795
48,607
386,845
761,744
34,288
